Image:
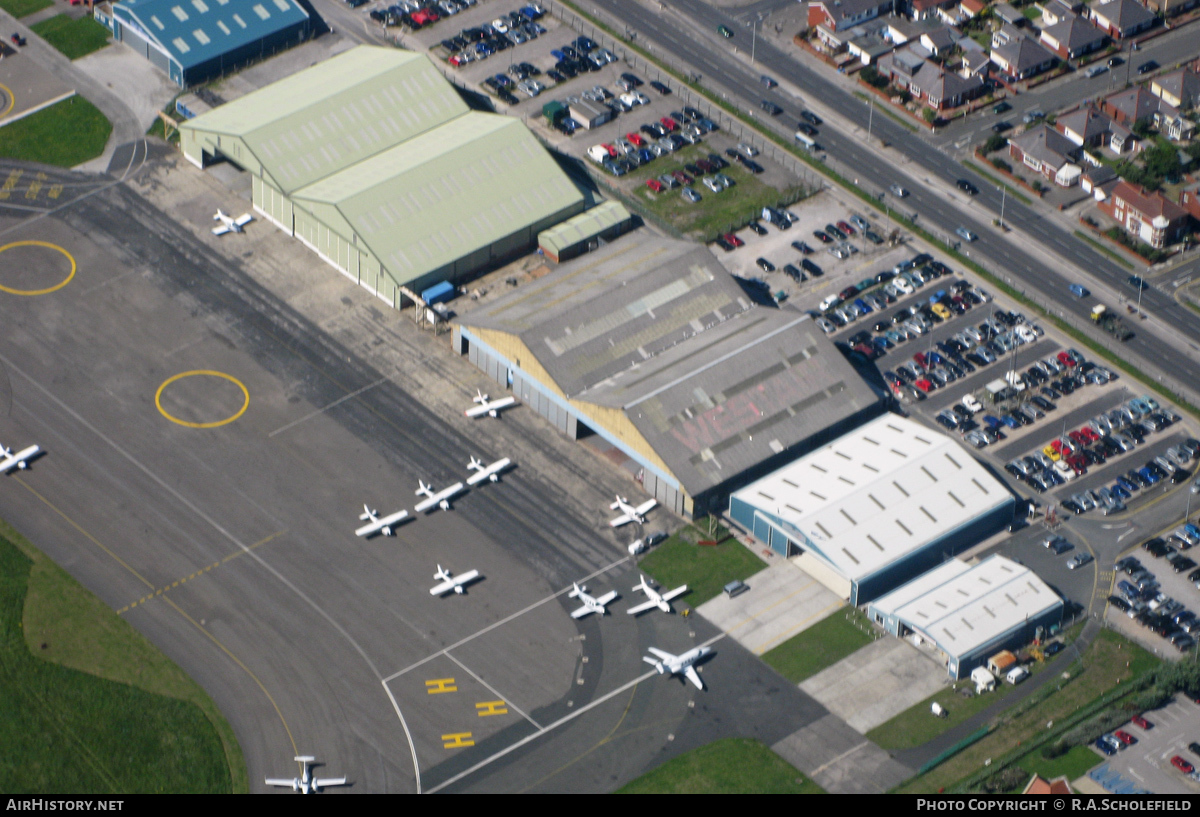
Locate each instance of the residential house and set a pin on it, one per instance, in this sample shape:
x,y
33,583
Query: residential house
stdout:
x,y
975,59
842,14
1179,89
1055,11
869,42
1086,127
1007,14
1122,18
1021,58
1073,37
1135,105
1099,181
1040,786
1046,151
940,41
1149,217
1175,128
1169,8
970,8
910,69
928,9
1189,199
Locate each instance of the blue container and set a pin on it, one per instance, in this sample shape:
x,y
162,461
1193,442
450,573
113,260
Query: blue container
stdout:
x,y
439,293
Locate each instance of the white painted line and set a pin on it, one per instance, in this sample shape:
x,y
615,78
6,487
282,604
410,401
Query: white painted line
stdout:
x,y
844,754
336,402
494,691
505,620
557,723
411,747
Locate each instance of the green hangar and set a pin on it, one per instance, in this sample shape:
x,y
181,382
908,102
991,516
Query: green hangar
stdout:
x,y
374,161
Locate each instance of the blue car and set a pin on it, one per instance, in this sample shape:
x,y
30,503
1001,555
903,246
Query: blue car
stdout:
x,y
558,55
863,306
991,422
1119,492
1010,421
1127,486
1103,746
644,155
937,359
882,344
1148,475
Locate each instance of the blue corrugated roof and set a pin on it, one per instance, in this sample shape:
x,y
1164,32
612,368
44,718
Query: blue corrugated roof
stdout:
x,y
195,31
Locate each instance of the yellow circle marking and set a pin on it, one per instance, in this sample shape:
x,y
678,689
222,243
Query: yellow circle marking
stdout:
x,y
196,373
48,290
12,100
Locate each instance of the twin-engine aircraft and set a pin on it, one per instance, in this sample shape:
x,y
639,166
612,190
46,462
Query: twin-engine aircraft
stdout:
x,y
306,783
629,513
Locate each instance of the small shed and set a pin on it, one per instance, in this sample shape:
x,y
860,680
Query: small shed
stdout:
x,y
554,112
438,293
1001,662
584,232
590,114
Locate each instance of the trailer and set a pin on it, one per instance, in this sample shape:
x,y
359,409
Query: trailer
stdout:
x,y
1103,317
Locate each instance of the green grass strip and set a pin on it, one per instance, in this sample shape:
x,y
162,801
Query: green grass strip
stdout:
x,y
729,766
820,646
1109,251
1128,369
22,8
66,730
998,182
705,569
75,38
65,134
886,109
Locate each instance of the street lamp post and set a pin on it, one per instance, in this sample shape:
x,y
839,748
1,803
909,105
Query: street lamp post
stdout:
x,y
1003,198
870,116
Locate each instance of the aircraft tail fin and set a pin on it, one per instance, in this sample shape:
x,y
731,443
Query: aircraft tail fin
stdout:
x,y
575,593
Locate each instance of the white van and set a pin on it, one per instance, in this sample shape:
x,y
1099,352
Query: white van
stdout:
x,y
1016,675
806,140
597,153
828,303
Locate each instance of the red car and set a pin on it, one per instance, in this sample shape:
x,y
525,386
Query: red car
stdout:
x,y
635,139
669,123
1078,464
924,385
1089,434
1141,722
1065,359
612,151
1124,737
919,357
1077,438
845,228
1182,765
681,177
655,185
734,240
1057,445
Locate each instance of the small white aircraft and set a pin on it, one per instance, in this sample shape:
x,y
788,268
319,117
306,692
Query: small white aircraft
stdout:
x,y
386,525
230,224
451,582
483,472
629,513
441,499
306,783
492,408
656,599
679,664
590,603
18,460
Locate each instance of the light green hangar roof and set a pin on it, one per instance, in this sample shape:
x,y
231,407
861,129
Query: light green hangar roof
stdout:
x,y
328,117
584,226
457,188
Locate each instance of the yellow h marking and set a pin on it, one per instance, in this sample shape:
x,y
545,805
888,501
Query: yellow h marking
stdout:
x,y
491,708
456,740
440,685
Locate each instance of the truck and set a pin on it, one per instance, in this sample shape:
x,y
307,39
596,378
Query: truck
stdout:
x,y
1103,317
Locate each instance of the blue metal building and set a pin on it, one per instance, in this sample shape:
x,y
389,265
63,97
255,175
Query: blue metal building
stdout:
x,y
195,40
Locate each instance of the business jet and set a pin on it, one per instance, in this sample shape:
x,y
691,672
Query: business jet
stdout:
x,y
230,224
491,408
386,525
441,499
590,603
629,513
306,783
656,599
679,664
451,582
488,472
18,460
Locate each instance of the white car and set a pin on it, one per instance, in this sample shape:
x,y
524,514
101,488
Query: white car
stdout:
x,y
713,185
971,404
641,98
903,285
826,326
499,26
631,100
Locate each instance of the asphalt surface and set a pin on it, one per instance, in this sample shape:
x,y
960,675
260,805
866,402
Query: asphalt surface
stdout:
x,y
940,211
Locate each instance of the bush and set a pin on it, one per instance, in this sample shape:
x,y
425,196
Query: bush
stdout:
x,y
1055,749
1000,164
1093,728
930,115
994,143
1004,780
872,77
1037,186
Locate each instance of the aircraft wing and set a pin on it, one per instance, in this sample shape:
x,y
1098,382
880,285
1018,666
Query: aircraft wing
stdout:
x,y
693,676
243,219
441,589
619,521
380,524
502,403
322,782
678,591
645,506
279,781
581,612
426,504
224,228
607,597
477,411
641,608
663,654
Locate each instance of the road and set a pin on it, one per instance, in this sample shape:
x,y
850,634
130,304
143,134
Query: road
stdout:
x,y
939,206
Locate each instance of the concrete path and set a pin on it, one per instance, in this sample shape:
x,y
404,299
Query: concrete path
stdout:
x,y
841,760
876,683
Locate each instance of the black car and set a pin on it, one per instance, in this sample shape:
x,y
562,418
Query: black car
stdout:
x,y
770,107
1137,282
753,166
723,244
822,237
806,129
966,187
757,228
1001,127
658,86
812,268
810,117
631,80
792,271
765,265
1073,506
1147,67
802,248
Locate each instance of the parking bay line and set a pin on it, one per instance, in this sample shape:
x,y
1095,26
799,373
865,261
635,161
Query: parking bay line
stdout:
x,y
494,691
336,402
504,620
561,721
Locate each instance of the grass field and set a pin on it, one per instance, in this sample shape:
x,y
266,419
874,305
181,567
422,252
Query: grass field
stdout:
x,y
1073,764
20,8
730,209
65,134
729,766
74,38
705,569
1110,660
821,645
65,728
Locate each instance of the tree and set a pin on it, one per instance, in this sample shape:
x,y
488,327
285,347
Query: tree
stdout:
x,y
1162,161
1141,128
930,115
994,143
